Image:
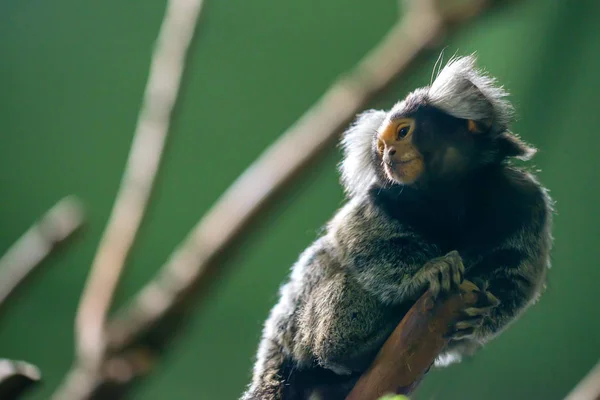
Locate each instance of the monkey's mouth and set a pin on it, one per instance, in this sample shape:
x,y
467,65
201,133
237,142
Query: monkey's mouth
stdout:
x,y
396,170
393,164
400,163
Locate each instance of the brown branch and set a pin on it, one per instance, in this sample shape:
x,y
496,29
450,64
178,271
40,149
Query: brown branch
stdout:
x,y
16,377
20,261
145,326
588,388
412,348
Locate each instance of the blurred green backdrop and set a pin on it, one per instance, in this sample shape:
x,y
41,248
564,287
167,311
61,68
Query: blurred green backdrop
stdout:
x,y
71,80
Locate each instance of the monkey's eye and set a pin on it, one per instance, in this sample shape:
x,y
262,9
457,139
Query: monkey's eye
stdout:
x,y
403,131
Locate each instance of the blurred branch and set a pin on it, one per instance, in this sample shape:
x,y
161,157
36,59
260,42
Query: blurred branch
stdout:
x,y
141,330
293,152
162,88
588,388
16,377
412,348
20,261
160,96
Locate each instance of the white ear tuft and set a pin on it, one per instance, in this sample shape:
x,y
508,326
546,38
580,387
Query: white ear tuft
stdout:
x,y
357,169
463,91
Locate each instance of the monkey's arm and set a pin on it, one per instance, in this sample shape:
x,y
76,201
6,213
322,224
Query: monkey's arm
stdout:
x,y
401,269
346,314
330,313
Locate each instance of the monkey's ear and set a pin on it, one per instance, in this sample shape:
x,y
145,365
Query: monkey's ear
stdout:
x,y
510,145
478,126
357,167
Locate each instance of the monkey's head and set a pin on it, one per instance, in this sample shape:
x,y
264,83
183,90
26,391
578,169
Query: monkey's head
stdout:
x,y
441,132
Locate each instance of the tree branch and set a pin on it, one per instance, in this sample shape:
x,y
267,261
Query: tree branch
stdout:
x,y
412,348
16,377
588,388
162,88
20,261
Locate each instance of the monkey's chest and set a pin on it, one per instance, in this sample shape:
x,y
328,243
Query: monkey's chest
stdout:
x,y
470,235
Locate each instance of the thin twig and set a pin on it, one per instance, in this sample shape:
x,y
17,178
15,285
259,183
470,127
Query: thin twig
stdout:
x,y
162,88
16,377
37,243
588,388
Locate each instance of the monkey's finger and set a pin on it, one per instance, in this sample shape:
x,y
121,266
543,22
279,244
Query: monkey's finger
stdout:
x,y
453,254
456,265
457,276
493,300
464,328
477,311
434,286
468,323
445,279
461,266
460,334
455,259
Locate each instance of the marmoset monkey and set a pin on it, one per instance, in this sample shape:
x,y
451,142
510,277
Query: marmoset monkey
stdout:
x,y
432,199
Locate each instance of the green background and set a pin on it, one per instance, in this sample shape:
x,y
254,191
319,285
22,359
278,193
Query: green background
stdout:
x,y
72,75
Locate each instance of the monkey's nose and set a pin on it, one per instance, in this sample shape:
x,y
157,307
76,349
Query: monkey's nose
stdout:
x,y
388,154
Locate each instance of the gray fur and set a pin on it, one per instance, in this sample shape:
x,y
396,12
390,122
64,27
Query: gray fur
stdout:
x,y
333,309
351,287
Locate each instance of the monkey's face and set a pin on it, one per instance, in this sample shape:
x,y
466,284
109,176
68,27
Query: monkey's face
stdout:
x,y
425,143
402,162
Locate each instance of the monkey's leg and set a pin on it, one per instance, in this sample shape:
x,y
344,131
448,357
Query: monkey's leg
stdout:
x,y
269,373
347,325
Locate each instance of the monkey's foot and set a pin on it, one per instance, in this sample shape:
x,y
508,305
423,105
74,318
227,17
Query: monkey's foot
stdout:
x,y
444,273
472,318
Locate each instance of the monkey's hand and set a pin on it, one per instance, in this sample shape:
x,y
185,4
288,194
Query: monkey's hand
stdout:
x,y
443,274
472,318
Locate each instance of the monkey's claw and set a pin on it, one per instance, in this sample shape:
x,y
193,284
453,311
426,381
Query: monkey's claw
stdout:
x,y
473,318
444,273
465,329
484,307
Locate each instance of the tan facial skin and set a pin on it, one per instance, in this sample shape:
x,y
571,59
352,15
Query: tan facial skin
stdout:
x,y
402,161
